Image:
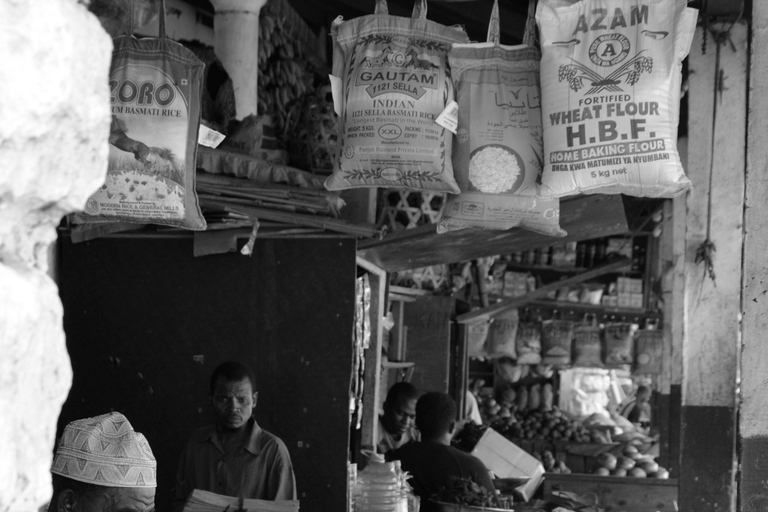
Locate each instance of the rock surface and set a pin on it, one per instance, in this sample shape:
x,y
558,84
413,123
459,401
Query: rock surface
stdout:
x,y
54,123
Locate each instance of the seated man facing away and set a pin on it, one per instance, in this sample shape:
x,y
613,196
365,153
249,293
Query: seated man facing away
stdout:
x,y
103,465
396,424
433,461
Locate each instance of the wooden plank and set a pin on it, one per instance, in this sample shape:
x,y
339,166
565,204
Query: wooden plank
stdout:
x,y
616,493
712,308
372,374
514,302
583,217
428,322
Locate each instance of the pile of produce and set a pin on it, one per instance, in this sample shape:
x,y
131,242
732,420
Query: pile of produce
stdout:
x,y
285,74
630,463
465,492
551,465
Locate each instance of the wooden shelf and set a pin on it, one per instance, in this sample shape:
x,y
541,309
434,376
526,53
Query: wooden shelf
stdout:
x,y
522,267
599,309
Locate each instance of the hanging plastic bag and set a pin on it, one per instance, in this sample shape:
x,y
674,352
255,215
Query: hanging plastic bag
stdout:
x,y
649,350
556,341
155,97
619,340
502,335
612,72
587,344
528,342
390,82
477,337
497,154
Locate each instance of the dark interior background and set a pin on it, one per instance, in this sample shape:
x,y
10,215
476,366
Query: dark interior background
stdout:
x,y
146,323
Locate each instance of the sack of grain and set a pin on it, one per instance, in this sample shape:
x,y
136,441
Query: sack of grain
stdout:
x,y
528,342
649,352
556,342
587,344
502,335
155,96
497,153
611,75
619,344
390,82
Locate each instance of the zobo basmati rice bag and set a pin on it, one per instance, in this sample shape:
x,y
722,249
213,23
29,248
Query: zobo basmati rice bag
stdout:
x,y
497,154
611,75
155,96
390,82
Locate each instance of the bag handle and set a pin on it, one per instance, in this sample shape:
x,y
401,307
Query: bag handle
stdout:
x,y
494,32
163,33
529,37
419,9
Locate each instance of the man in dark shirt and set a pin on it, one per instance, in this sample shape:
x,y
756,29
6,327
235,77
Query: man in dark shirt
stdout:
x,y
433,461
235,456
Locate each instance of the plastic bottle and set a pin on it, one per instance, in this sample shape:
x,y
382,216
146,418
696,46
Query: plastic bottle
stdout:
x,y
378,487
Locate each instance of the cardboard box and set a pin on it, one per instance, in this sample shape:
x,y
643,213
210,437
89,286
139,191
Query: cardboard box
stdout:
x,y
635,286
507,460
636,300
624,300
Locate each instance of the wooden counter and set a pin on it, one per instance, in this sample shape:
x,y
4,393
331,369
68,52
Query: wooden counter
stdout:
x,y
618,494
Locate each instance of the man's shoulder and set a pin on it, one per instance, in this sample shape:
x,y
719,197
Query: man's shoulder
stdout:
x,y
269,440
465,457
202,434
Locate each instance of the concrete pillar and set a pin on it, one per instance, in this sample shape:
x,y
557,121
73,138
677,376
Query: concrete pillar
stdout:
x,y
753,424
54,124
236,41
712,308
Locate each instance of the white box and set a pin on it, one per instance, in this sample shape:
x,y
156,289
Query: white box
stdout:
x,y
636,286
507,460
624,300
636,300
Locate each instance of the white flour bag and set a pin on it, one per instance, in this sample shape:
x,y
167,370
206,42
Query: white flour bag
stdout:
x,y
390,82
611,75
497,153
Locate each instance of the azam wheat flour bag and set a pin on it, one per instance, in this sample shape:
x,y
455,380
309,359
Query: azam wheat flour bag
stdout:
x,y
611,75
155,86
390,82
497,153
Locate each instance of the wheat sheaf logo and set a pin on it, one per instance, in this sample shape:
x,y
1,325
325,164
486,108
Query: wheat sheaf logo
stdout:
x,y
607,50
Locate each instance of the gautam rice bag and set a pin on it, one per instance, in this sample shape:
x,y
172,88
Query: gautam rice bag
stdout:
x,y
390,82
155,98
611,75
497,153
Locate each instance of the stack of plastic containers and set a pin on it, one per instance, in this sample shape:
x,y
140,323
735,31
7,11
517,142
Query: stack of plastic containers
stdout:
x,y
379,487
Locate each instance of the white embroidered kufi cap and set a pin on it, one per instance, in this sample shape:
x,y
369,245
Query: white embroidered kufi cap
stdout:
x,y
105,450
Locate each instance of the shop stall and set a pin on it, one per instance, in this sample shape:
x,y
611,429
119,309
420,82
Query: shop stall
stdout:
x,y
332,307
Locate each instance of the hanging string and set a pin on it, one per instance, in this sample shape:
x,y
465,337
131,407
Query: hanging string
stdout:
x,y
705,251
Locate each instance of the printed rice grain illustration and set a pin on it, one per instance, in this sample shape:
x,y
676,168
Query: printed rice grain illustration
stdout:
x,y
493,170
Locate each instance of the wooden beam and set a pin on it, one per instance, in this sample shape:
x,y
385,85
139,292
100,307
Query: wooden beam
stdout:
x,y
515,302
583,217
372,375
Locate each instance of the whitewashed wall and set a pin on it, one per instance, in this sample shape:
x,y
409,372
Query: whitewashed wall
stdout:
x,y
54,123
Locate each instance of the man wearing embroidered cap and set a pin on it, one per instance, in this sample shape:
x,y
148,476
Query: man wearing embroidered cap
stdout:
x,y
103,465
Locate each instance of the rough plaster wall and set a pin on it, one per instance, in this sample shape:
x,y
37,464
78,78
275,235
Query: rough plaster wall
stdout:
x,y
54,122
754,411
